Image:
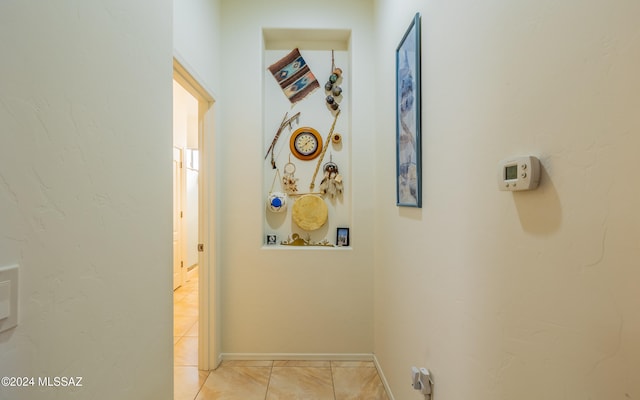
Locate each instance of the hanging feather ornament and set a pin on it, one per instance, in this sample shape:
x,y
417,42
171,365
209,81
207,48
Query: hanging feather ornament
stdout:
x,y
331,183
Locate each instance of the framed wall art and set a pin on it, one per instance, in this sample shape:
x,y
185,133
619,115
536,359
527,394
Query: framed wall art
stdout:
x,y
342,237
408,118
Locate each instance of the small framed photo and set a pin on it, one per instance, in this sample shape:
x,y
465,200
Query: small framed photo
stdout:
x,y
272,240
342,237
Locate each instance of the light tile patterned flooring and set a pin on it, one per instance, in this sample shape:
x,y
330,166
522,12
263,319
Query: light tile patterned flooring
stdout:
x,y
261,380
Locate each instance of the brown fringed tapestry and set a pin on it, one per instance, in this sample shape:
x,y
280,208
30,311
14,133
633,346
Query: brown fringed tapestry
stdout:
x,y
294,76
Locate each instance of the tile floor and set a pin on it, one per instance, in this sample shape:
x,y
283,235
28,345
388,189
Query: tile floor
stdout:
x,y
187,379
261,380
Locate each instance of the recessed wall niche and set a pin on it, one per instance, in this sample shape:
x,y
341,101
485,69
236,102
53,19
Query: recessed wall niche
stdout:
x,y
307,151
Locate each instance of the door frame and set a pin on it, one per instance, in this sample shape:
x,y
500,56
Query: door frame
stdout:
x,y
208,292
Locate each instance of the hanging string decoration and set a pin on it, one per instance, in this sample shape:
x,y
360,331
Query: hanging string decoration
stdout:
x,y
276,201
324,150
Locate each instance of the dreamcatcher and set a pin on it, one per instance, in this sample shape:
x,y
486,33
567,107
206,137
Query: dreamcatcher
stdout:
x,y
331,183
289,181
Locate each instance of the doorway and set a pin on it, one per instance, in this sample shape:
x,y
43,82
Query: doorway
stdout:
x,y
186,267
194,247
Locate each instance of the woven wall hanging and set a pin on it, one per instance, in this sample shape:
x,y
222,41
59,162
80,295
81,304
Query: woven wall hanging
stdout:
x,y
294,76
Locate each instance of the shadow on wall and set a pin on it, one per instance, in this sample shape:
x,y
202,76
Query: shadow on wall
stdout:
x,y
413,213
540,211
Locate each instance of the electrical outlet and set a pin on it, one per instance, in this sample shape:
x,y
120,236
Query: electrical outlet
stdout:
x,y
425,381
415,378
421,380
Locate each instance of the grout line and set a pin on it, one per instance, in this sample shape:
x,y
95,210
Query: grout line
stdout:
x,y
203,383
333,383
266,393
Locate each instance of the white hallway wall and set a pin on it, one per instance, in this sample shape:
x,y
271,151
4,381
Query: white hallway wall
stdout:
x,y
525,295
292,300
85,208
197,40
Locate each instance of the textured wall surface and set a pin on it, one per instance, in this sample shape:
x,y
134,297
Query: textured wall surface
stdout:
x,y
514,295
85,195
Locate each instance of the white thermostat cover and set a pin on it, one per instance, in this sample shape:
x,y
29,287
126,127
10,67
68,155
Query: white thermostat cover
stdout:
x,y
519,173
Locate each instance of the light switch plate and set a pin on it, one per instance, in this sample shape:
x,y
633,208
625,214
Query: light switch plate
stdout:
x,y
5,299
8,297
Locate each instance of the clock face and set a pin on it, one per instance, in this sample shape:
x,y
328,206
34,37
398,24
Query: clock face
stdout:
x,y
306,143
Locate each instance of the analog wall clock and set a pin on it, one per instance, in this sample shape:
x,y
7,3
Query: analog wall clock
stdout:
x,y
306,143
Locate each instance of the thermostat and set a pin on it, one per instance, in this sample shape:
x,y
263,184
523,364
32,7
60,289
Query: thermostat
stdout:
x,y
519,173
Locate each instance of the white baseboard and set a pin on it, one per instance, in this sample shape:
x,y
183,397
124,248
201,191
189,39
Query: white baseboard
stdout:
x,y
297,356
387,388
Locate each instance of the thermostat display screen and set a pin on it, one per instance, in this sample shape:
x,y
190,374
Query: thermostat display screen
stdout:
x,y
518,173
511,172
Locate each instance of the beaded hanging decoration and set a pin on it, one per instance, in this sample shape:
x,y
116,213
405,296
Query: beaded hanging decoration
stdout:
x,y
332,88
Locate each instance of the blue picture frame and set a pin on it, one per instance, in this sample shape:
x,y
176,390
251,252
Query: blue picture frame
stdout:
x,y
408,118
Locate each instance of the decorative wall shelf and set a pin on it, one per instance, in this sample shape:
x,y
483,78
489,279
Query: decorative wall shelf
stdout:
x,y
322,50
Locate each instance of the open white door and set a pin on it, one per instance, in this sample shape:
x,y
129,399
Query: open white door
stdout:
x,y
178,265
